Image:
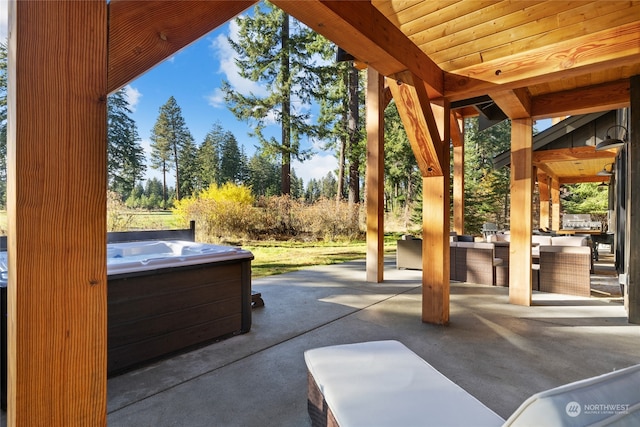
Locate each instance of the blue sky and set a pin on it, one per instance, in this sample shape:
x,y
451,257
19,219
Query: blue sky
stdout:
x,y
193,77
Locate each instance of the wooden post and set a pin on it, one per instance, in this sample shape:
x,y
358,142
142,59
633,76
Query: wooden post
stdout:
x,y
435,230
633,204
458,187
543,191
521,216
56,200
555,204
375,177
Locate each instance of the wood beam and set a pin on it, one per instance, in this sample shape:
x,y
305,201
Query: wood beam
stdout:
x,y
600,51
573,153
545,195
143,33
591,99
375,176
360,29
435,233
633,206
580,179
516,104
417,116
555,204
521,212
56,163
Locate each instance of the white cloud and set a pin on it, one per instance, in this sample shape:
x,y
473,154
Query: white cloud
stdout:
x,y
133,96
226,55
216,98
4,20
315,168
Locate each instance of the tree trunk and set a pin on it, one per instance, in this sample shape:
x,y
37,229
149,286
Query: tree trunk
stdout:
x,y
353,124
175,157
286,109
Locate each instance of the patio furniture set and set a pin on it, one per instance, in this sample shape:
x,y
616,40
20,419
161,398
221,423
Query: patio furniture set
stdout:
x,y
561,264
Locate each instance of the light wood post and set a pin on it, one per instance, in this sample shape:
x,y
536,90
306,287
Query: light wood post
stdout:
x,y
56,200
375,177
543,191
521,212
435,230
555,204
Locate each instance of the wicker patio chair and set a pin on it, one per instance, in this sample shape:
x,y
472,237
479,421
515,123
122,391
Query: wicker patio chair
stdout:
x,y
565,270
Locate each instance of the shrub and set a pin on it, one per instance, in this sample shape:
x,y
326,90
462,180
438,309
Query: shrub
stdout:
x,y
219,212
118,218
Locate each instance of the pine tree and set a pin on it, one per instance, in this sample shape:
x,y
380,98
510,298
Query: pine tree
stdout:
x,y
277,51
230,160
486,189
401,173
188,163
209,158
264,178
341,96
168,136
125,155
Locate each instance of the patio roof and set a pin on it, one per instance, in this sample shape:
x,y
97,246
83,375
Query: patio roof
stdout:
x,y
533,59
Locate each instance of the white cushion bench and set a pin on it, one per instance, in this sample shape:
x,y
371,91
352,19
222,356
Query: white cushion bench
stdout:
x,y
383,383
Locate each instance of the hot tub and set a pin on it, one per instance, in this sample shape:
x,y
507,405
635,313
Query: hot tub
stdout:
x,y
168,296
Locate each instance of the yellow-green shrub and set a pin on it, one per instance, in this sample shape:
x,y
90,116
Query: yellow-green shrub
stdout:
x,y
219,212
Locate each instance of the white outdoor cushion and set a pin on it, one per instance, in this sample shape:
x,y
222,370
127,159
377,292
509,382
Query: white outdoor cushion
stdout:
x,y
611,399
383,383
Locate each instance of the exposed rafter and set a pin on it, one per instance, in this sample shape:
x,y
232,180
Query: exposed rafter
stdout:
x,y
419,122
144,33
364,32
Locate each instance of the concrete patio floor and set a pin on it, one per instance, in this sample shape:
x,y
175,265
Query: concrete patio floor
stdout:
x,y
498,352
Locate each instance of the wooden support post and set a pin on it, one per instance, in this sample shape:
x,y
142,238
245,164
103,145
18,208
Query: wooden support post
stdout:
x,y
375,177
555,204
543,191
435,231
56,198
521,216
458,184
633,204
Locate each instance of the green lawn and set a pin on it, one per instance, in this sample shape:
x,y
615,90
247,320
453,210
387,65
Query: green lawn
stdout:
x,y
271,257
281,257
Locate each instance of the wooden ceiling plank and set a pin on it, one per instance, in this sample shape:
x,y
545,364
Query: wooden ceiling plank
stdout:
x,y
403,12
143,33
608,96
616,47
444,18
364,32
502,28
419,124
559,35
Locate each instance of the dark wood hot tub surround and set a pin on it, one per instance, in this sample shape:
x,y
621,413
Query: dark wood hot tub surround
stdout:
x,y
153,314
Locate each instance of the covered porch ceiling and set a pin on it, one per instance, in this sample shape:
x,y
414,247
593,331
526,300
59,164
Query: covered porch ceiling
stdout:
x,y
538,59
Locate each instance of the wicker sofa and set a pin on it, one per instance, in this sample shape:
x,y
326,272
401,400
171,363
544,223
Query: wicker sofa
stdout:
x,y
473,262
476,263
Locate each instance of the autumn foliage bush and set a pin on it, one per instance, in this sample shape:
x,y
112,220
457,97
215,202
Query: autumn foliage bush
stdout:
x,y
230,212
